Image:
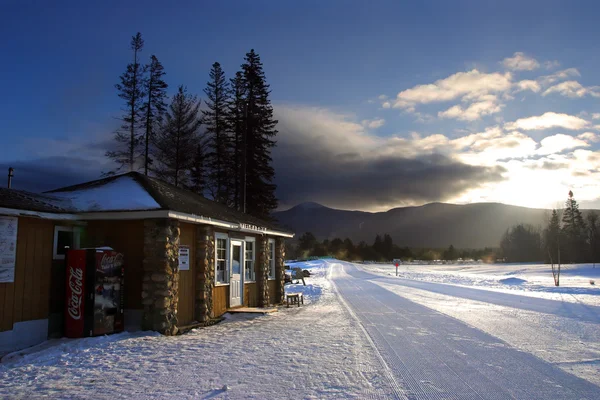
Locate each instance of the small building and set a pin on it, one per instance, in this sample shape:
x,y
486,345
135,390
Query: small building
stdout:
x,y
234,258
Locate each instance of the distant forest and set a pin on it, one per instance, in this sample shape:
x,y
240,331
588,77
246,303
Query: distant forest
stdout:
x,y
567,238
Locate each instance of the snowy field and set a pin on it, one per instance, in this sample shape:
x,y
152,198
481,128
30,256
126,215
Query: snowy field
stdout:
x,y
533,280
314,351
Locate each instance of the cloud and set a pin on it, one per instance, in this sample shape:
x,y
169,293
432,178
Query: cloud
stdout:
x,y
373,123
548,120
520,62
589,137
572,89
551,64
486,105
559,143
470,85
527,84
325,157
386,104
382,97
558,76
596,116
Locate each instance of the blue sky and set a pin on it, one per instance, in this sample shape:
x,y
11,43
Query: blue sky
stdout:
x,y
330,64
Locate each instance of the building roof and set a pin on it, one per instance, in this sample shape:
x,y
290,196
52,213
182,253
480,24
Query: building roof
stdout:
x,y
138,192
22,200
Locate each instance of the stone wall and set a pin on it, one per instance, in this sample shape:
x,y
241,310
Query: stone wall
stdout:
x,y
280,269
161,275
262,271
205,272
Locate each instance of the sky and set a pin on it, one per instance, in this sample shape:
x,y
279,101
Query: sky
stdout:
x,y
380,104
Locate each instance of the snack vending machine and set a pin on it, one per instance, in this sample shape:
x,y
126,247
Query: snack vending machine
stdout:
x,y
94,290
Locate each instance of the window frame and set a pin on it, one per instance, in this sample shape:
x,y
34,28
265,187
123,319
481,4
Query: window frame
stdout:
x,y
252,279
75,230
271,258
224,236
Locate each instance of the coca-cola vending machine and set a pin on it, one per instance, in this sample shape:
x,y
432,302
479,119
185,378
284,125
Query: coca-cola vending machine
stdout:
x,y
94,304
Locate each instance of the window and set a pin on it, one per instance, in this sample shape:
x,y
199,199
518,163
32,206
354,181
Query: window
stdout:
x,y
65,238
249,274
221,272
271,259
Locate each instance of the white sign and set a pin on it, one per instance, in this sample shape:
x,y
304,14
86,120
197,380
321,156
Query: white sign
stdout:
x,y
8,248
253,228
184,258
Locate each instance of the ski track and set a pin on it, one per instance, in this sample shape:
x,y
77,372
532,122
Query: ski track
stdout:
x,y
434,356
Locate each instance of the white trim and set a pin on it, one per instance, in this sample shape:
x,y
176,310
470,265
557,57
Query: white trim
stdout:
x,y
253,240
127,215
29,213
219,235
197,219
76,239
272,260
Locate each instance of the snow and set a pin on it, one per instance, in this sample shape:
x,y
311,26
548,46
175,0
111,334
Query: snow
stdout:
x,y
534,280
310,352
124,193
430,334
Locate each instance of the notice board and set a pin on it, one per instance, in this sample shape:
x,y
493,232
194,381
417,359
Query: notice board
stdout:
x,y
8,248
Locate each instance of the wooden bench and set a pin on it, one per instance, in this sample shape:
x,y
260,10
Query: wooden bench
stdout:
x,y
294,298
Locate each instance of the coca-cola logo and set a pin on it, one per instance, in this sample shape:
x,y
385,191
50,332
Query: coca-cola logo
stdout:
x,y
110,262
76,286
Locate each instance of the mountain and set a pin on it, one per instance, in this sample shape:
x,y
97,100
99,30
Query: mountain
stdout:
x,y
439,225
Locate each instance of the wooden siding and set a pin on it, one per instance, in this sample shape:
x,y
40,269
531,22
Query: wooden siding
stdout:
x,y
220,300
186,302
250,294
126,237
27,297
272,291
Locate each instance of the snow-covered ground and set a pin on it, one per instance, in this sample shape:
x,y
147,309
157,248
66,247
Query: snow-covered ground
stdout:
x,y
533,280
314,351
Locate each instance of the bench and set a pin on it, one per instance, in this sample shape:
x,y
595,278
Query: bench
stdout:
x,y
294,298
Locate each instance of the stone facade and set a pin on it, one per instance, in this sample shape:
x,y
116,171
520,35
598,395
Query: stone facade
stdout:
x,y
280,269
161,275
262,271
205,272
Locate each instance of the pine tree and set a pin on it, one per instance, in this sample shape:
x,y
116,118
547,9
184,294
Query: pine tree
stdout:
x,y
593,237
236,117
198,171
177,140
215,119
552,238
155,105
258,196
574,230
132,91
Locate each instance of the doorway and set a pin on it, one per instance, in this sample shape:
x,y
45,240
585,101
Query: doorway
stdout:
x,y
236,284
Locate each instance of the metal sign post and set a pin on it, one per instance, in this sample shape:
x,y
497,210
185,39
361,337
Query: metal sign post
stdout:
x,y
397,268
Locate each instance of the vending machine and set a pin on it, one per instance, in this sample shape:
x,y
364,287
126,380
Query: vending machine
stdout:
x,y
94,290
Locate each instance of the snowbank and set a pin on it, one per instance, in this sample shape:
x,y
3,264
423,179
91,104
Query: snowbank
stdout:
x,y
533,280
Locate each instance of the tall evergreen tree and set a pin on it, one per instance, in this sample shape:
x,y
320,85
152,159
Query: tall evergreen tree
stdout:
x,y
552,238
236,117
574,231
177,140
215,119
131,89
593,237
258,197
198,171
155,105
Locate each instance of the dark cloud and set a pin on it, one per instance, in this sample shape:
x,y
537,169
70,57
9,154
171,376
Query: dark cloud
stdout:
x,y
52,172
550,166
341,166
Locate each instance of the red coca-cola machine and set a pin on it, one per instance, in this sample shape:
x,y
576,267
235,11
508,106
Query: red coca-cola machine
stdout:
x,y
94,304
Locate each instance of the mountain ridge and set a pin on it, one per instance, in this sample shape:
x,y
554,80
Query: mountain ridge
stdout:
x,y
474,225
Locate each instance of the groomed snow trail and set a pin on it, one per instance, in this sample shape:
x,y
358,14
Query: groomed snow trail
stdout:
x,y
434,356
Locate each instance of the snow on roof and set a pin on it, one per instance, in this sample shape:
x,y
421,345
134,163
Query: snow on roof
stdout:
x,y
123,193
